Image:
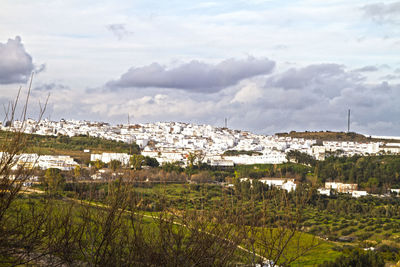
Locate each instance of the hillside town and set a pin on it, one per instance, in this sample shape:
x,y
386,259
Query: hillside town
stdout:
x,y
173,141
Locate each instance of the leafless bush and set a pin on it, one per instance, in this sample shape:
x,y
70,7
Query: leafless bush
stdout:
x,y
276,235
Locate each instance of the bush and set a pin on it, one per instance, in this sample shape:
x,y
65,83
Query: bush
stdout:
x,y
387,227
357,258
348,231
364,236
361,226
370,229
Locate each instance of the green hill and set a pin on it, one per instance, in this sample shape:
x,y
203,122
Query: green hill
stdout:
x,y
334,136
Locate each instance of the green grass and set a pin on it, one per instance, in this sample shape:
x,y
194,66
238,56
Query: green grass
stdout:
x,y
365,229
151,224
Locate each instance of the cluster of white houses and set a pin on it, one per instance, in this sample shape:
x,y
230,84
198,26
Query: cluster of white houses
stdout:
x,y
32,160
173,141
341,188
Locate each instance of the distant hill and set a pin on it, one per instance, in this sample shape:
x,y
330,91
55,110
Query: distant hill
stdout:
x,y
335,136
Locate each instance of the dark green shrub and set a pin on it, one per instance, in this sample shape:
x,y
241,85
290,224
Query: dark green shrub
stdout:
x,y
357,258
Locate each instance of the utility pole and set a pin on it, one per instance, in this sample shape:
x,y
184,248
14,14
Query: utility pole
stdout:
x,y
348,122
226,123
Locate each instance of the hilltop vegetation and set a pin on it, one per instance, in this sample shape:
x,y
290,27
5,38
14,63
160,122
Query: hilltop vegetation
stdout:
x,y
334,136
375,173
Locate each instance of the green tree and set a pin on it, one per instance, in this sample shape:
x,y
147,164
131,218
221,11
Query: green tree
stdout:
x,y
77,171
54,180
191,159
136,161
151,162
98,164
115,164
172,167
357,258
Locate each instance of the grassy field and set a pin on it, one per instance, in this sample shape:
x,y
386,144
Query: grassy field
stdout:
x,y
190,196
381,231
150,224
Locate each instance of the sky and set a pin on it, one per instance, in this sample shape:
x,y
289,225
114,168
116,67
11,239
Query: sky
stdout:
x,y
267,66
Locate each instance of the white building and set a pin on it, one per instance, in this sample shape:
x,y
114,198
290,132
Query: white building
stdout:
x,y
341,187
284,183
358,194
107,157
29,161
397,191
64,163
323,191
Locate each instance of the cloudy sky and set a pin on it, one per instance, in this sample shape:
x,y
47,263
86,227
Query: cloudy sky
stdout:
x,y
265,65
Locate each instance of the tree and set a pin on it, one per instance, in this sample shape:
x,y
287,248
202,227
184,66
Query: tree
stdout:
x,y
136,161
357,258
115,164
151,162
191,158
279,239
172,167
98,164
202,177
25,229
77,171
53,180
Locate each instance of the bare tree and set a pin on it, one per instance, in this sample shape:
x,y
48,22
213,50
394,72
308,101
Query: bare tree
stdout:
x,y
276,235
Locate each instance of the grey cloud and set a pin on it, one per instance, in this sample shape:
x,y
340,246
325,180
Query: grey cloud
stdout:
x,y
119,30
50,87
383,13
195,76
367,69
315,97
293,103
390,77
15,63
323,79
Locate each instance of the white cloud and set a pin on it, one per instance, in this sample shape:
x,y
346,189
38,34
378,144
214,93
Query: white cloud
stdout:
x,y
248,94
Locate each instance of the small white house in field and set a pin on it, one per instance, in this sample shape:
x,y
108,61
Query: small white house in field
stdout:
x,y
284,183
107,157
358,194
222,163
289,186
396,191
341,187
324,191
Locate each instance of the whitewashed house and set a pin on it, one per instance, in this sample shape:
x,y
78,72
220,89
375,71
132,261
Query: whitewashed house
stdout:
x,y
287,184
